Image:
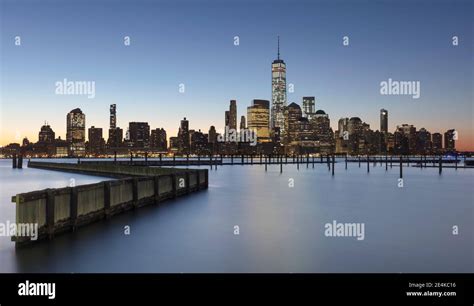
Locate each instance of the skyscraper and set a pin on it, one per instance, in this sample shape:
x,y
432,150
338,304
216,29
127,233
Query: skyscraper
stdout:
x,y
321,125
115,133
199,142
212,138
183,136
437,142
355,127
292,116
278,93
406,138
158,139
96,142
258,119
243,125
308,107
449,140
76,132
139,133
232,121
227,118
115,138
383,121
113,116
46,134
423,141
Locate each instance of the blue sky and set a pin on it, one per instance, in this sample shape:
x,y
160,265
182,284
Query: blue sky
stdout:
x,y
192,42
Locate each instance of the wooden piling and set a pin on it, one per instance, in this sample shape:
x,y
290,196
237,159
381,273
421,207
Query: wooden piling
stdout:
x,y
368,164
50,213
333,163
20,161
440,170
14,164
401,166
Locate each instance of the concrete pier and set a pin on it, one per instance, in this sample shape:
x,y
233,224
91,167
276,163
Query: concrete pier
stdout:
x,y
63,209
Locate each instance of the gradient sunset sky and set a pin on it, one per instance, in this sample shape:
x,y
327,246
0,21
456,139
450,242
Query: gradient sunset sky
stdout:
x,y
192,42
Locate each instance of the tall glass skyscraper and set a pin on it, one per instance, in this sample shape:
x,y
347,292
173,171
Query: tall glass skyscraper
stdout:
x,y
383,121
278,92
113,116
258,119
76,132
233,115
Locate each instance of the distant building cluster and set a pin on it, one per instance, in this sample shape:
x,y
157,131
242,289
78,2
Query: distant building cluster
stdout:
x,y
269,128
355,137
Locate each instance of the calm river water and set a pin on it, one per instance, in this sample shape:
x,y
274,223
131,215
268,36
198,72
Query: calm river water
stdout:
x,y
281,220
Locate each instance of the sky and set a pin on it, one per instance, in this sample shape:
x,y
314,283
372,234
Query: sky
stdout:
x,y
192,43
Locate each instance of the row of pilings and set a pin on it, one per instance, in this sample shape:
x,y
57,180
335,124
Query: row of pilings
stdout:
x,y
271,159
17,161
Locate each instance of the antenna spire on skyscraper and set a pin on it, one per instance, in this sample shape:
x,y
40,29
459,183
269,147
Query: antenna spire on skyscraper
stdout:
x,y
278,46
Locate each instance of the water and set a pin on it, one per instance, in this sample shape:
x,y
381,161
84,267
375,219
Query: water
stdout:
x,y
407,229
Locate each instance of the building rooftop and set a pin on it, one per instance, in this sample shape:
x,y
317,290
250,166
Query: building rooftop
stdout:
x,y
76,111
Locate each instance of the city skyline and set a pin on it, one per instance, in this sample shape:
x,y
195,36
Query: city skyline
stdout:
x,y
302,125
344,79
